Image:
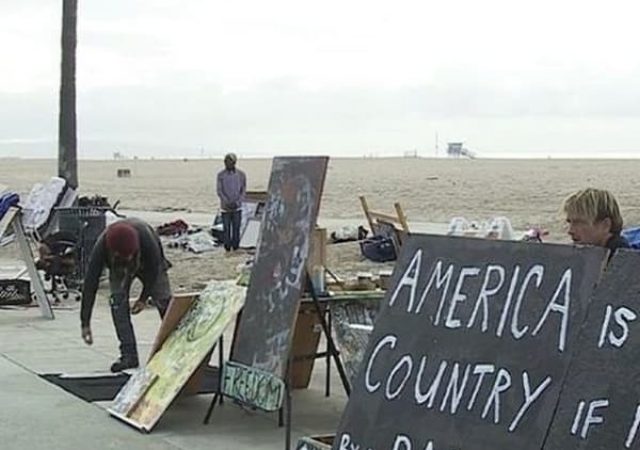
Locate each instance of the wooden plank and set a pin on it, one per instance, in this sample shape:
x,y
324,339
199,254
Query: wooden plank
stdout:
x,y
34,276
367,212
385,217
402,218
178,307
6,220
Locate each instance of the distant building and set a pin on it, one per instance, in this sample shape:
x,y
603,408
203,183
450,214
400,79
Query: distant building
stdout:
x,y
457,150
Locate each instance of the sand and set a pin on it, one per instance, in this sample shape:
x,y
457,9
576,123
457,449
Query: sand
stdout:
x,y
528,192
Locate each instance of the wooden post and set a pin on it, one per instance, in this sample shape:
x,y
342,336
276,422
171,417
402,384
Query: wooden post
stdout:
x,y
67,137
367,214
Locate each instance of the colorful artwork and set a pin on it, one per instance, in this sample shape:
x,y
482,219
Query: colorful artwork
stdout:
x,y
352,324
252,386
143,400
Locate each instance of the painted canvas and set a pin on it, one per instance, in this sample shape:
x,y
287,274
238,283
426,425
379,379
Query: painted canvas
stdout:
x,y
264,334
353,322
144,399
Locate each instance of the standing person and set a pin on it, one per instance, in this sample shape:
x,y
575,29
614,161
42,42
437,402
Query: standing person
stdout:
x,y
130,249
231,189
593,218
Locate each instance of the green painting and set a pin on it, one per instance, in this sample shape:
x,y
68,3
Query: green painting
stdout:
x,y
146,396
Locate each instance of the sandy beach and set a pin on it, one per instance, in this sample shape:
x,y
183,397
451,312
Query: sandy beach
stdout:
x,y
528,192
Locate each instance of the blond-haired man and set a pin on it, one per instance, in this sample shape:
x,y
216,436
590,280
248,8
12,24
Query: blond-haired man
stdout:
x,y
593,218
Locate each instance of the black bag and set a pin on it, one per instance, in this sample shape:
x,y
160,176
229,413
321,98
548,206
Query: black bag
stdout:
x,y
378,249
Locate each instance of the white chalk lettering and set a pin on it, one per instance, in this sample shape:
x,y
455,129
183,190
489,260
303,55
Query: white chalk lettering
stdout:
x,y
440,280
346,444
502,383
538,272
455,390
407,362
507,304
402,442
458,296
481,370
390,340
605,326
633,430
529,398
622,316
409,279
562,308
430,396
485,293
577,418
591,419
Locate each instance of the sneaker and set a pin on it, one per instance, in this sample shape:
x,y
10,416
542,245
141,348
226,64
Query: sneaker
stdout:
x,y
125,362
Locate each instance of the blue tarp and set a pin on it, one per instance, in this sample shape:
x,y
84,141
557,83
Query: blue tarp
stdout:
x,y
7,201
632,235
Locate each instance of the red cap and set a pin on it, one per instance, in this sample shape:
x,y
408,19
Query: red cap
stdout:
x,y
122,238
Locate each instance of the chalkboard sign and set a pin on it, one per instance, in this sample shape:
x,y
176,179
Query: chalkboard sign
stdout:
x,y
471,346
263,337
600,402
253,386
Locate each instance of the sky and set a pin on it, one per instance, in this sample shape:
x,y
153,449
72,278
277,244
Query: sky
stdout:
x,y
175,78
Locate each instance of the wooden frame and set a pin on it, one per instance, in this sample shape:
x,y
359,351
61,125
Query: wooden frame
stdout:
x,y
378,219
13,219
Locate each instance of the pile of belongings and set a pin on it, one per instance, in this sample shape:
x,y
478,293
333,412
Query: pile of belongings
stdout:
x,y
349,233
7,201
43,198
195,240
96,201
496,228
535,234
175,228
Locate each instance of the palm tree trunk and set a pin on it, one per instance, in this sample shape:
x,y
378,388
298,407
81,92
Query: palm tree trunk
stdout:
x,y
67,141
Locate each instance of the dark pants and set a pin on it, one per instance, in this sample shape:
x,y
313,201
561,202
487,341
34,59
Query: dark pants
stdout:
x,y
119,302
231,229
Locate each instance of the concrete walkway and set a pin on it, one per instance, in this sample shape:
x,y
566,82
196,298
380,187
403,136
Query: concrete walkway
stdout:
x,y
35,414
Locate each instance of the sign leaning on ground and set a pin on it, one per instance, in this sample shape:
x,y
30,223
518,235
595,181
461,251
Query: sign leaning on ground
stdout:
x,y
600,402
471,346
150,391
265,330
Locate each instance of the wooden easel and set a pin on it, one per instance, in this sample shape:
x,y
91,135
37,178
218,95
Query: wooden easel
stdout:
x,y
13,219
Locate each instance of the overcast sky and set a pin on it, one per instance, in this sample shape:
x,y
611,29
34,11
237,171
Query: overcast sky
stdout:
x,y
200,77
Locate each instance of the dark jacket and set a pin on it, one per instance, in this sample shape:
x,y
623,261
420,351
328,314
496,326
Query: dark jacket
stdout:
x,y
615,242
146,266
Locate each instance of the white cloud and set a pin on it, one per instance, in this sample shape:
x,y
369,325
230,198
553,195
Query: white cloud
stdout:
x,y
335,74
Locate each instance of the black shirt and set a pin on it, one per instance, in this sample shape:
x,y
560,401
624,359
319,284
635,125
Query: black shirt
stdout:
x,y
615,242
